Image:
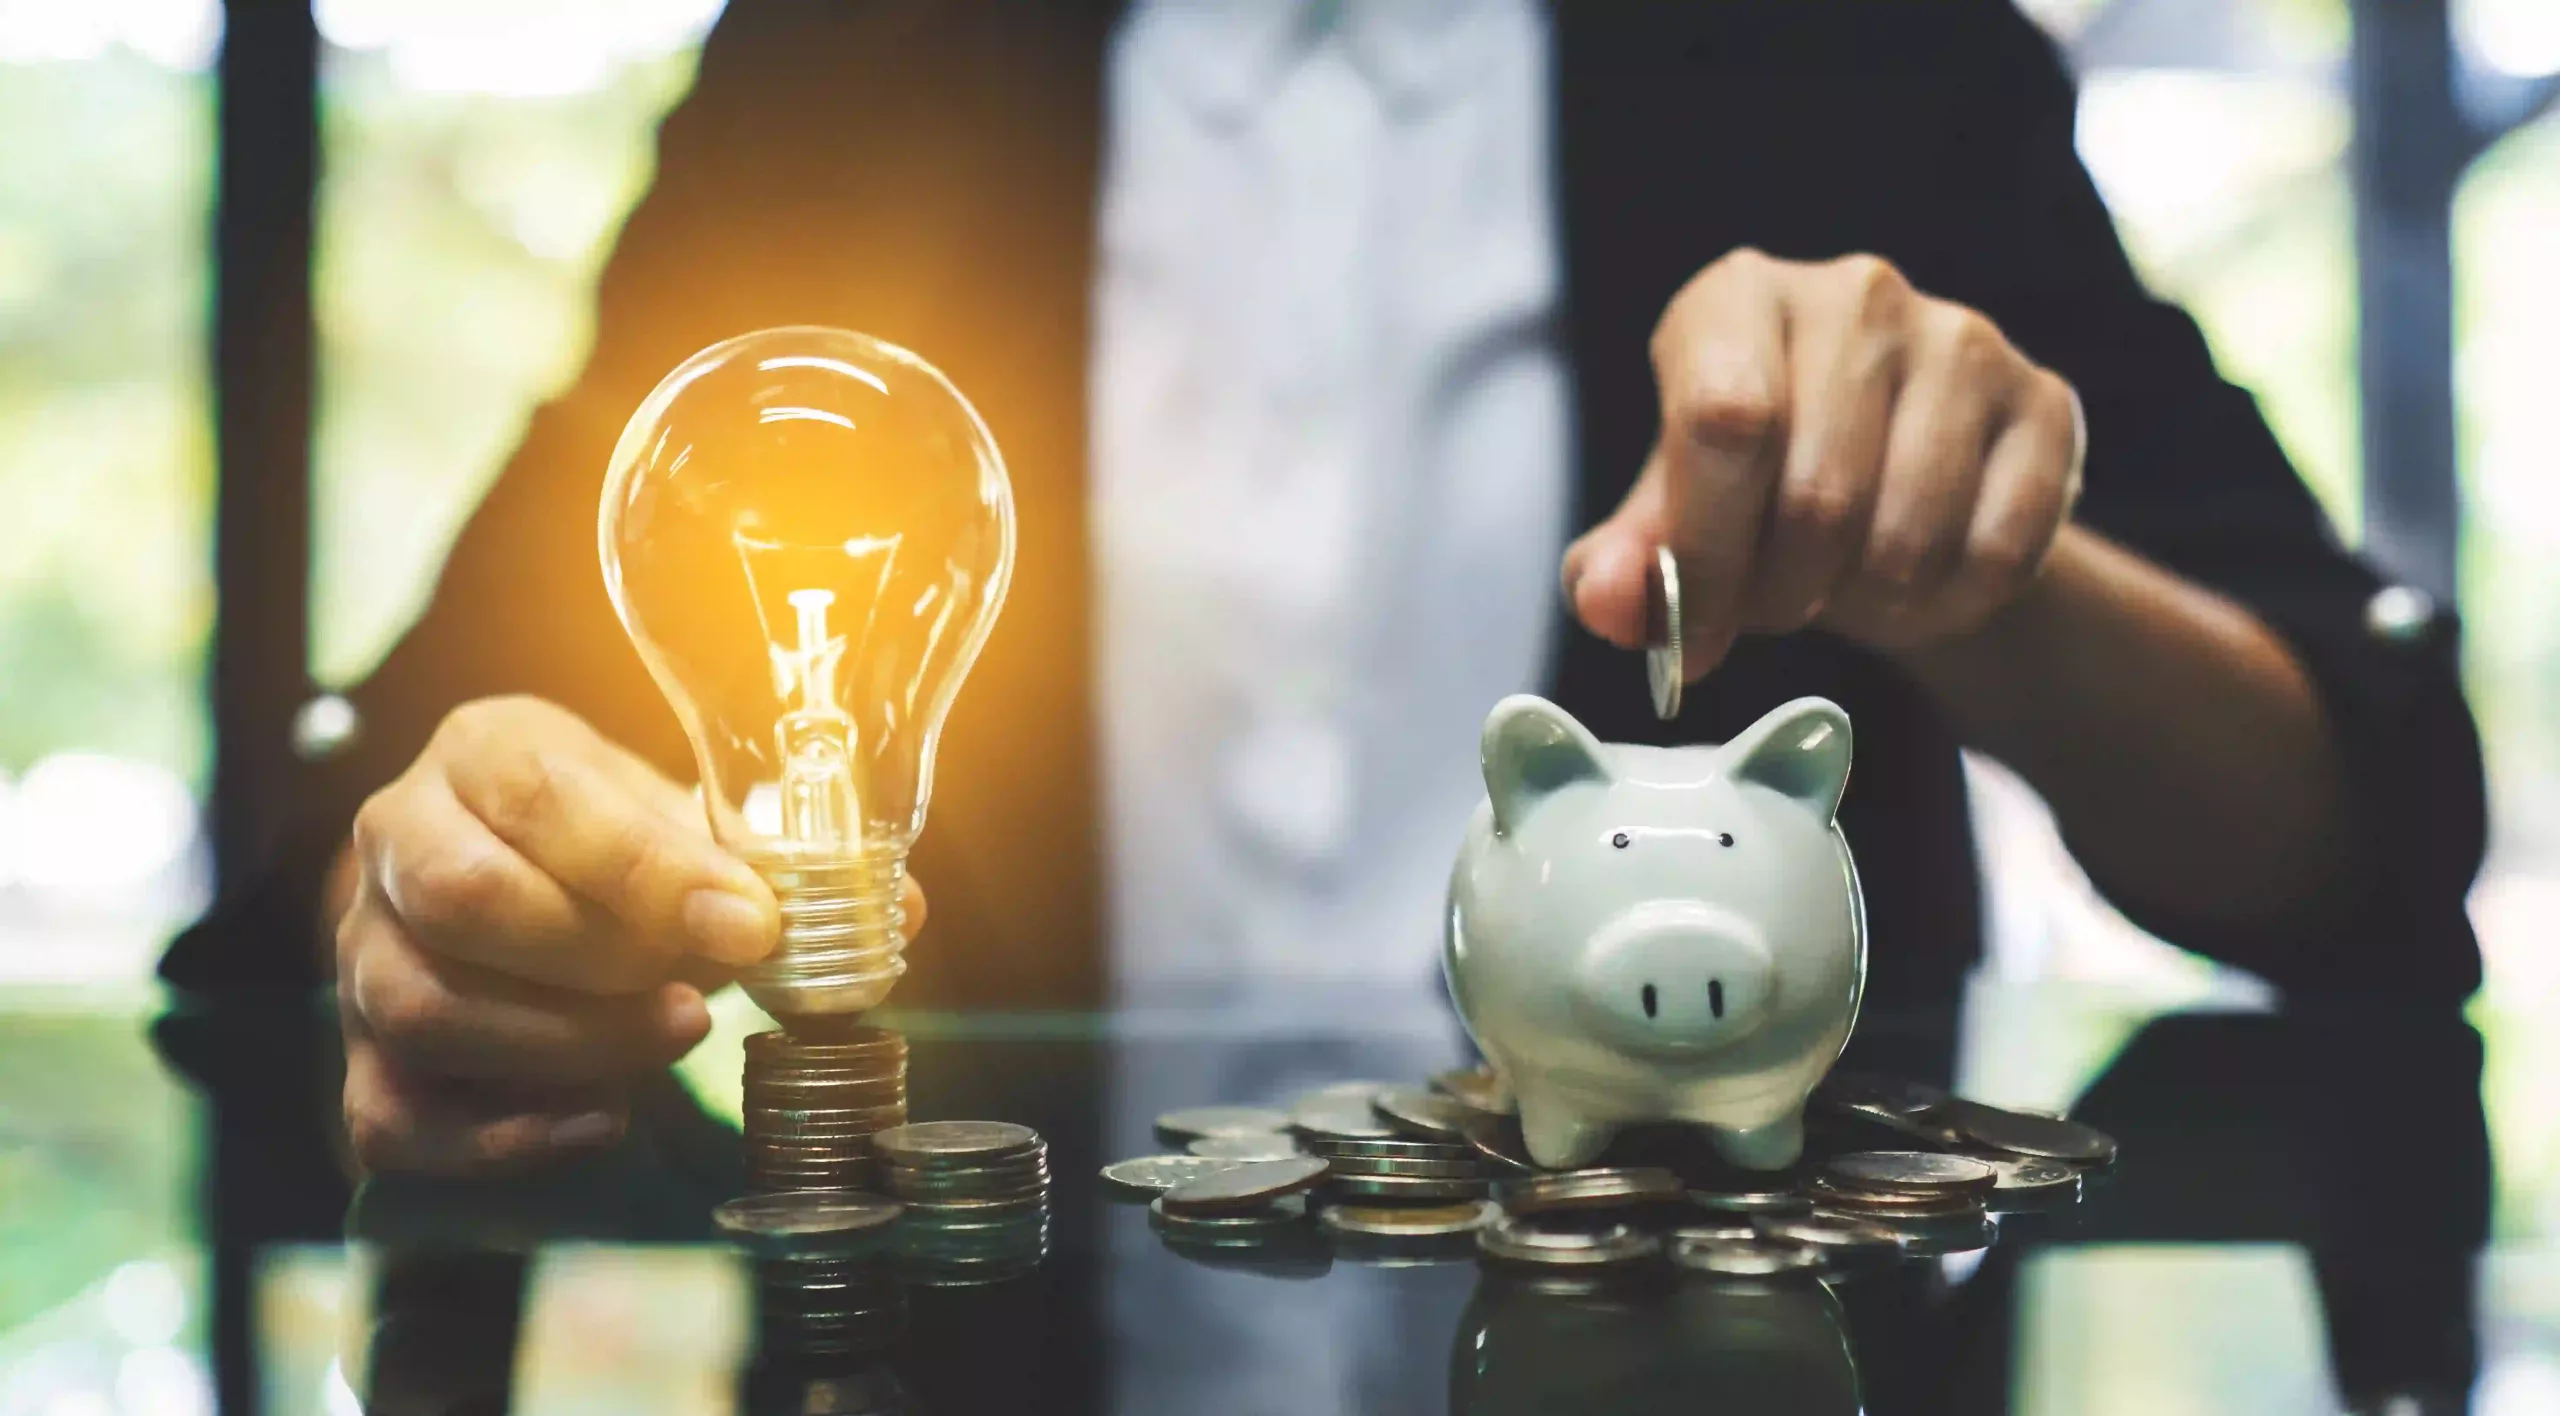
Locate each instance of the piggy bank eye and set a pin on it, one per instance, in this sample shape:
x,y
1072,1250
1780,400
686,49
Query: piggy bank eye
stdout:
x,y
1619,840
1724,838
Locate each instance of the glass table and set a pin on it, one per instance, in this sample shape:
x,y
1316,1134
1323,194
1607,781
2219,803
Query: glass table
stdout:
x,y
2298,1222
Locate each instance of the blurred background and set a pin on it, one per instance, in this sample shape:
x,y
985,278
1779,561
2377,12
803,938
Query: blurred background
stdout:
x,y
476,159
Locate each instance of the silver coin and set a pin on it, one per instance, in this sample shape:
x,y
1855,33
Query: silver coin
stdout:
x,y
2033,1182
1465,1167
1732,1232
943,1143
1338,1113
1419,1112
1747,1258
1752,1202
1476,1088
2018,1133
1882,1097
1845,1240
1358,1148
802,1221
1278,1213
1193,1122
1407,1187
1152,1175
1507,1241
1244,1185
1878,1203
1497,1139
1664,668
1275,1145
1910,1173
1589,1190
1406,1221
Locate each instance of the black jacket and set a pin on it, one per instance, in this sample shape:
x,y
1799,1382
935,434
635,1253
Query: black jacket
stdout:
x,y
925,170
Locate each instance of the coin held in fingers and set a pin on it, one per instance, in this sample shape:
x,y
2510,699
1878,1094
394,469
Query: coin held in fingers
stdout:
x,y
1663,668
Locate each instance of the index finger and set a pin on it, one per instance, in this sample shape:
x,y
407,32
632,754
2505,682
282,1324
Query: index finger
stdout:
x,y
1719,360
567,813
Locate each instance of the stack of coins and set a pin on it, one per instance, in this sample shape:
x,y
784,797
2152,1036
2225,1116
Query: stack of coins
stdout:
x,y
1935,1202
812,1107
976,1196
1245,1204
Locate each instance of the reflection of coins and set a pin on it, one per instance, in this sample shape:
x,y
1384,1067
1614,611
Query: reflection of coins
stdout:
x,y
1243,1186
1272,1146
1910,1173
1589,1190
1663,666
1192,1122
1151,1175
1419,1112
1505,1240
1406,1221
1745,1258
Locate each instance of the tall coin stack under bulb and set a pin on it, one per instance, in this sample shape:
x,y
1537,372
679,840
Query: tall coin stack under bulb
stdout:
x,y
813,1106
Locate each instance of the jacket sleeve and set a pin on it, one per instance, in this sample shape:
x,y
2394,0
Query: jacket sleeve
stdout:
x,y
2184,470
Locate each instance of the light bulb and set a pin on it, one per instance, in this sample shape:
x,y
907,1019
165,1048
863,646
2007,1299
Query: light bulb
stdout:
x,y
808,533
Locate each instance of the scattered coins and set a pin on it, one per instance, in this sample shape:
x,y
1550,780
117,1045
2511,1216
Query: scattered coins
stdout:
x,y
1589,1190
1243,1186
1664,669
1910,1173
1191,1123
2019,1133
1151,1175
1271,1146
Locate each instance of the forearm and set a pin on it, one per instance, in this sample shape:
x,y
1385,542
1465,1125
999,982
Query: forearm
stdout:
x,y
2180,743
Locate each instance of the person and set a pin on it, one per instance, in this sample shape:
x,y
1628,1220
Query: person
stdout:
x,y
1308,329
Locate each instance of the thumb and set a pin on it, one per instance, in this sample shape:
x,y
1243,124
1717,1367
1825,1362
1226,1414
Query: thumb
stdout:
x,y
1607,572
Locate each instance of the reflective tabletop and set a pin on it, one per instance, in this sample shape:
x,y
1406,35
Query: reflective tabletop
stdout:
x,y
2298,1222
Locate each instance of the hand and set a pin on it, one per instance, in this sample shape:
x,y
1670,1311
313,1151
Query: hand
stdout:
x,y
1836,449
535,918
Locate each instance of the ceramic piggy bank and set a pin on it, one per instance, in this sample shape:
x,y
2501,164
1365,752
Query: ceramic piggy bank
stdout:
x,y
1658,934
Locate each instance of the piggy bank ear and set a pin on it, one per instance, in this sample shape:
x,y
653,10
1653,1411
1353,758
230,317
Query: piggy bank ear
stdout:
x,y
1801,749
1532,749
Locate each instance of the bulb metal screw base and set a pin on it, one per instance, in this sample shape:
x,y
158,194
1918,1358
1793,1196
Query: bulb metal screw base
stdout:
x,y
842,948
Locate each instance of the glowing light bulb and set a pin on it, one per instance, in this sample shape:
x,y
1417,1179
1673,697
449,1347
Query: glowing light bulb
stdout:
x,y
808,533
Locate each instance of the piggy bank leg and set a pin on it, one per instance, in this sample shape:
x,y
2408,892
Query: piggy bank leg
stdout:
x,y
1559,1137
1771,1147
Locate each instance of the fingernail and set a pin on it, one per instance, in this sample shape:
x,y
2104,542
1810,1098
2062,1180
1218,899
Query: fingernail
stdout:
x,y
681,1012
587,1128
728,927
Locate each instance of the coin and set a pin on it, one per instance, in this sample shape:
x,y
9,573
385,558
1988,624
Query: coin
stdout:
x,y
1191,1123
1244,1185
2031,1182
1745,1258
802,1221
1152,1175
1663,666
1751,1202
1338,1113
2046,1137
1406,1187
1883,1097
1588,1190
941,1143
1910,1173
1844,1240
1507,1241
1279,1213
1361,1148
1881,1202
1476,1088
1405,1221
1464,1167
1734,1232
1497,1139
1269,1146
1418,1112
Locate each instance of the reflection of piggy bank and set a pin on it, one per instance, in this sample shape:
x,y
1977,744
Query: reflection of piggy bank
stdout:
x,y
1737,1347
1645,933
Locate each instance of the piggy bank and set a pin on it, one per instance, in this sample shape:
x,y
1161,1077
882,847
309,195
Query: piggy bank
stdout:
x,y
1659,934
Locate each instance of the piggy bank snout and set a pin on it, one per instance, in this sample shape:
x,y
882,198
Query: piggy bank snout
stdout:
x,y
1674,977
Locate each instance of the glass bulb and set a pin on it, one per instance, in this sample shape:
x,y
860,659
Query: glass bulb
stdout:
x,y
808,533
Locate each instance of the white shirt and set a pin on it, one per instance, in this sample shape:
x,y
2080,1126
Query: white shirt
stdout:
x,y
1330,471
